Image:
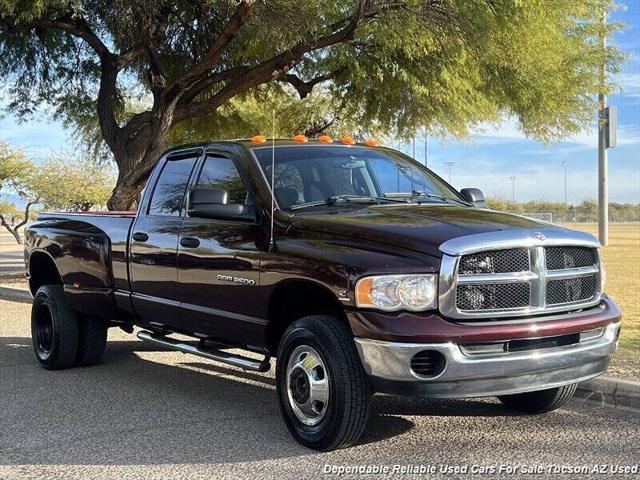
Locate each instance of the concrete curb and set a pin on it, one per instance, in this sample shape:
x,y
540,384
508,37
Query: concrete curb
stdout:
x,y
615,392
15,294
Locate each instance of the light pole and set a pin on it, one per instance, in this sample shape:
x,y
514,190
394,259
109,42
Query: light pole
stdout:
x,y
566,203
414,147
513,188
606,139
450,164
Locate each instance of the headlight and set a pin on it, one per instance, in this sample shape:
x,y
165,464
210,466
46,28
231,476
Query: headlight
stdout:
x,y
398,292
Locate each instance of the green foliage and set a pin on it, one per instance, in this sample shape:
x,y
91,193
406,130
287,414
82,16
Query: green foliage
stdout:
x,y
248,115
447,65
59,183
62,184
15,168
10,211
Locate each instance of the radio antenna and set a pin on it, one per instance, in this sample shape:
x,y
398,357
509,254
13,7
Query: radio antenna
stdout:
x,y
272,243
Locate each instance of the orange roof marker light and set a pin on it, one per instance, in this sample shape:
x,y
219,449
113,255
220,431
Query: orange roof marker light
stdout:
x,y
258,139
347,140
325,139
372,142
300,139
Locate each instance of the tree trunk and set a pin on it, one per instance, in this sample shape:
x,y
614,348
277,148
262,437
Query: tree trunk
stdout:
x,y
137,152
12,231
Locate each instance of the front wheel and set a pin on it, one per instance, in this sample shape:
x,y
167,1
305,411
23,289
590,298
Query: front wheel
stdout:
x,y
323,391
542,401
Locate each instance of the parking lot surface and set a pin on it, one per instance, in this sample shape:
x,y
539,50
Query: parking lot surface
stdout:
x,y
148,413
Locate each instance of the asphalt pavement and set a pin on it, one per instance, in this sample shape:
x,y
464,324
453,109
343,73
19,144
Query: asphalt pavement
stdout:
x,y
148,413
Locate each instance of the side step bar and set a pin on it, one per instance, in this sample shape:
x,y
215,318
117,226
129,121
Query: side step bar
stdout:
x,y
217,355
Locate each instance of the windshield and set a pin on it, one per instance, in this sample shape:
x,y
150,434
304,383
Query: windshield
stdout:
x,y
313,173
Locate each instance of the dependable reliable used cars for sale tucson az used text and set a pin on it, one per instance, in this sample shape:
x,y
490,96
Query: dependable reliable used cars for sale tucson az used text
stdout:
x,y
364,272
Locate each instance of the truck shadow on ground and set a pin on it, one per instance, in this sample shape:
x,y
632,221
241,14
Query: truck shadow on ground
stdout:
x,y
144,405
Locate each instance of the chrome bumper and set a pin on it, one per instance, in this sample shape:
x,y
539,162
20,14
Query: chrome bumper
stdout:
x,y
388,364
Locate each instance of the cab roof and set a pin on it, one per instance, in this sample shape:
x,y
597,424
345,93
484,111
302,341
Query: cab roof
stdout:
x,y
278,142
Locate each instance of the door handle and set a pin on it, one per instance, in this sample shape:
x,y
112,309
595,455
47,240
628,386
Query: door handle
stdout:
x,y
140,237
189,242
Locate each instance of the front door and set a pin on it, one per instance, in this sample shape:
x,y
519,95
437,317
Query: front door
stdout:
x,y
154,243
218,263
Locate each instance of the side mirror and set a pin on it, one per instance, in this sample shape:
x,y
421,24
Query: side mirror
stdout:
x,y
474,196
212,203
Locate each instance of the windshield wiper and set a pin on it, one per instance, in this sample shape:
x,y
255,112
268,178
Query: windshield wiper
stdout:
x,y
439,197
335,199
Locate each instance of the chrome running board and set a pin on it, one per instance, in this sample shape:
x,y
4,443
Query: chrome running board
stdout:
x,y
212,354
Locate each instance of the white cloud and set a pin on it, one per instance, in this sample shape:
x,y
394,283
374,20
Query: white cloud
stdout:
x,y
509,132
629,83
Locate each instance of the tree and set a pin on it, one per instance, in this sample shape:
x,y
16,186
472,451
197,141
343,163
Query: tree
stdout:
x,y
313,115
62,184
16,171
15,167
398,65
58,184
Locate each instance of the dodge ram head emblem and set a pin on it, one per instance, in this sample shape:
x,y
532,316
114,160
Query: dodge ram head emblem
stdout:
x,y
540,236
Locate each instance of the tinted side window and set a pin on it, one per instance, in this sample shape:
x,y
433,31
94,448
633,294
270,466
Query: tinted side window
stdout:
x,y
221,172
168,195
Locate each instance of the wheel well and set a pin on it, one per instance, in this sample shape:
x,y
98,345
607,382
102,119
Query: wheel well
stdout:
x,y
296,299
42,271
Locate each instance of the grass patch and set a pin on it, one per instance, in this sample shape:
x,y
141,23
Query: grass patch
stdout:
x,y
622,261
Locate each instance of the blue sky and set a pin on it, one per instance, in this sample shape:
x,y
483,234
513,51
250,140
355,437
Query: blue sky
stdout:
x,y
491,156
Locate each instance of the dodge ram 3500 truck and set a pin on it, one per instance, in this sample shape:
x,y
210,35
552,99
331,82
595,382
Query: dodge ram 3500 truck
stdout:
x,y
364,272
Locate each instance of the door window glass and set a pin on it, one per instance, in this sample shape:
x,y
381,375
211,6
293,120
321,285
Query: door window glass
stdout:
x,y
221,172
168,196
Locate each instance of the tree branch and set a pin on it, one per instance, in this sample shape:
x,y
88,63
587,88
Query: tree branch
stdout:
x,y
211,80
275,67
25,220
76,26
125,58
229,32
319,126
15,231
304,88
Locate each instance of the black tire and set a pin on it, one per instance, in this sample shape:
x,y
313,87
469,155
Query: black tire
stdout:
x,y
349,401
542,401
92,340
54,328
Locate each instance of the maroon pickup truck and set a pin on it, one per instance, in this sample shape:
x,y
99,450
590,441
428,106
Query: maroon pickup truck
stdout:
x,y
365,272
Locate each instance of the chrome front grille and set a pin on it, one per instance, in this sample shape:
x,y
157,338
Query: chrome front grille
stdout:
x,y
571,290
494,296
538,275
498,261
559,258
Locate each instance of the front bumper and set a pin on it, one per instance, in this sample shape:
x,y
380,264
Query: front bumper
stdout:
x,y
388,365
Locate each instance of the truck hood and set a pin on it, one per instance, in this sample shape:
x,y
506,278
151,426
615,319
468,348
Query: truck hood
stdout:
x,y
420,228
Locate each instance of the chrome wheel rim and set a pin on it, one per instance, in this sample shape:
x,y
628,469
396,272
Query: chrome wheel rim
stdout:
x,y
307,385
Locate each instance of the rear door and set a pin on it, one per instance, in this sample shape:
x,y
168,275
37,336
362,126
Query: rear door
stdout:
x,y
154,241
218,261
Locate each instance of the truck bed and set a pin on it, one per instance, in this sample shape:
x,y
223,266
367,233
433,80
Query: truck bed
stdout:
x,y
97,239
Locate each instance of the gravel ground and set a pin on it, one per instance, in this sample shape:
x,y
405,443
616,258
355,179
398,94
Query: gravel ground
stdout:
x,y
147,413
